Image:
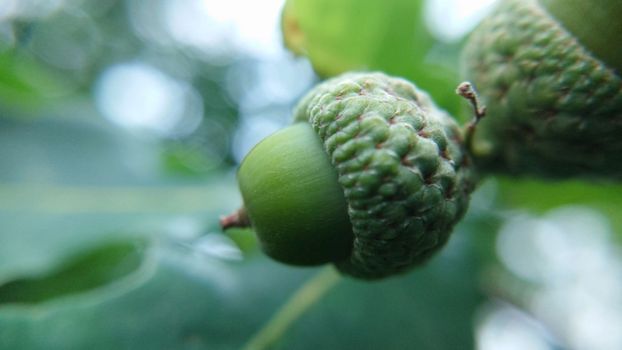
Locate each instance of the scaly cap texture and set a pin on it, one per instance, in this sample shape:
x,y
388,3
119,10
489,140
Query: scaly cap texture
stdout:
x,y
554,109
400,160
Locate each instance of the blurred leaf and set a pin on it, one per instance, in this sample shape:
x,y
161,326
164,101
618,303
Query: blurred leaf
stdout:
x,y
541,196
83,273
390,36
26,84
204,303
188,160
170,302
68,184
76,146
78,151
244,238
430,308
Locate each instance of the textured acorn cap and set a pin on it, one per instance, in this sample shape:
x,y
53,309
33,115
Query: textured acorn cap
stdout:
x,y
554,108
400,161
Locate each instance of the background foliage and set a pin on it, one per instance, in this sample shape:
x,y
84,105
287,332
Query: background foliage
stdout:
x,y
121,125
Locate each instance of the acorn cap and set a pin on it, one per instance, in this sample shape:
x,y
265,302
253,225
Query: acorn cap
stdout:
x,y
400,161
554,107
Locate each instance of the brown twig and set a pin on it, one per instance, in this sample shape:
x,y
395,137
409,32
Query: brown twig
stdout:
x,y
466,90
239,218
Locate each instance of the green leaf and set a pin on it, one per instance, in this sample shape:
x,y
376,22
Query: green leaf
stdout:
x,y
170,302
88,271
389,36
176,299
25,84
541,196
430,308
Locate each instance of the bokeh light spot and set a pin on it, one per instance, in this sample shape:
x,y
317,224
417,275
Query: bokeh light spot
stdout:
x,y
138,96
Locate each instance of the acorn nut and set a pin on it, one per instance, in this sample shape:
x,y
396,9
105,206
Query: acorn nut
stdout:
x,y
371,176
549,72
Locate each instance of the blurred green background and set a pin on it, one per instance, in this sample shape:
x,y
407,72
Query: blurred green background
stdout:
x,y
122,123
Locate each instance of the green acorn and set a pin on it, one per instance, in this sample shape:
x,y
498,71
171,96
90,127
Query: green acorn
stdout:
x,y
372,177
549,72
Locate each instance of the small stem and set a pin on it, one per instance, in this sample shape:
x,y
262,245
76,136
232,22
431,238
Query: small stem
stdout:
x,y
239,218
304,298
466,90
